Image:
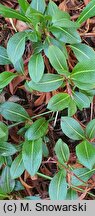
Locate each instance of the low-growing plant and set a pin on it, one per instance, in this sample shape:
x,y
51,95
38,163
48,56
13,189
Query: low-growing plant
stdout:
x,y
51,33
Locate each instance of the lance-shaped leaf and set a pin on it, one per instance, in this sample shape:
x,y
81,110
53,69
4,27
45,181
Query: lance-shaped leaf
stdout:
x,y
7,149
17,167
83,174
32,155
49,40
2,161
62,151
16,46
72,128
71,194
84,72
83,52
18,186
90,129
23,4
19,66
59,102
37,129
89,11
62,21
36,67
6,78
55,12
58,186
67,35
3,132
4,59
72,108
81,100
35,16
38,5
84,86
58,60
11,13
7,184
85,152
13,112
52,8
49,82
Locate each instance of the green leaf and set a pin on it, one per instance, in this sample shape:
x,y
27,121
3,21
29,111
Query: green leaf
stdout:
x,y
16,46
45,150
8,160
89,11
7,149
49,82
6,183
62,151
55,12
3,132
49,40
37,129
11,13
83,52
58,186
19,66
90,129
60,15
37,47
62,21
18,186
71,194
32,36
6,78
67,35
38,5
3,196
81,100
85,152
4,59
89,93
83,173
2,161
32,155
84,72
59,102
72,108
13,112
36,67
72,128
58,60
35,16
52,8
23,4
84,85
17,167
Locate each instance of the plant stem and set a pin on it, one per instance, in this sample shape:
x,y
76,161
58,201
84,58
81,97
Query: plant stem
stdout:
x,y
13,125
80,189
17,123
45,113
44,176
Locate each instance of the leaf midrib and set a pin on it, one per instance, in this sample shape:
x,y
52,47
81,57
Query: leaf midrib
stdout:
x,y
61,101
85,14
80,51
73,129
58,188
10,111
